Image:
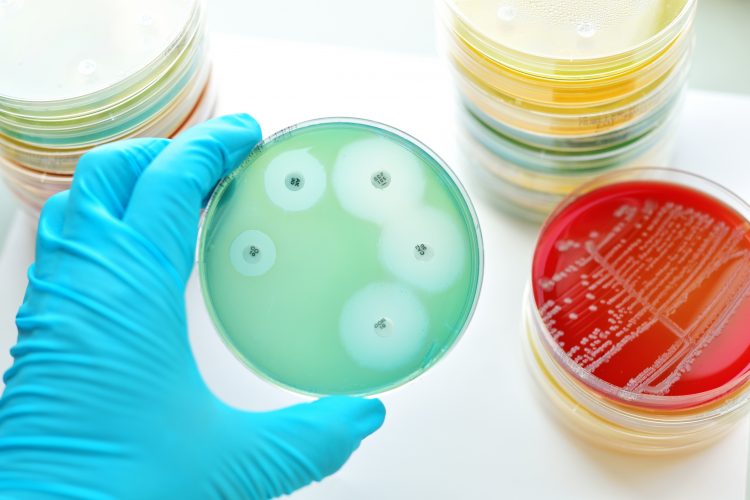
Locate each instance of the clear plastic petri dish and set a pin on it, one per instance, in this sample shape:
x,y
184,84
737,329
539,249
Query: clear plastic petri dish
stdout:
x,y
581,143
534,160
33,188
204,109
513,199
118,123
570,121
164,123
112,50
534,193
22,175
566,94
342,257
637,310
117,118
568,40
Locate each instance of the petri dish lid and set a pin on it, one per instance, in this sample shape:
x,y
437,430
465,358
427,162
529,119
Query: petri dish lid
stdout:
x,y
564,39
95,45
640,280
342,257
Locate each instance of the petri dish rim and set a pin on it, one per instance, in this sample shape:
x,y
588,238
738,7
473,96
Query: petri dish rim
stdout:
x,y
193,25
567,69
166,81
120,122
616,394
571,144
477,247
61,161
568,126
626,429
544,161
548,92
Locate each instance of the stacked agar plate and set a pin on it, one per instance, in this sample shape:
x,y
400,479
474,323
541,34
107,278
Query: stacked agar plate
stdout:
x,y
84,73
555,93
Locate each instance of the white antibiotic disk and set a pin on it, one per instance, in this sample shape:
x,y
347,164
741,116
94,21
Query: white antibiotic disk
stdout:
x,y
424,248
383,326
295,180
252,253
375,179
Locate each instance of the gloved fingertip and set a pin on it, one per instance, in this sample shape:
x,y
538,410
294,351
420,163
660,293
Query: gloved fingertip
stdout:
x,y
249,128
366,415
375,416
244,120
229,137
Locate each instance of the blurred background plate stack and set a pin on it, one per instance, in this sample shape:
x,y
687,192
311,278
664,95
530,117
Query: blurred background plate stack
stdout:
x,y
89,73
554,93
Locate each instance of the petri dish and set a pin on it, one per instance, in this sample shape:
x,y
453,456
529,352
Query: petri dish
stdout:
x,y
341,257
534,159
193,104
566,94
534,193
569,40
638,308
115,118
118,123
578,143
541,120
33,187
104,49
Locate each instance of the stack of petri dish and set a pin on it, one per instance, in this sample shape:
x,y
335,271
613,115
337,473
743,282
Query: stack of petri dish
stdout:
x,y
555,93
637,311
84,73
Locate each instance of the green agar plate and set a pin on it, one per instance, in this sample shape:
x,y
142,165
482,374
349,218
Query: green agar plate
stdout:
x,y
342,257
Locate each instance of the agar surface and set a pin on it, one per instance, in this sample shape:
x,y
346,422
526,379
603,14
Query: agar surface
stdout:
x,y
340,259
638,296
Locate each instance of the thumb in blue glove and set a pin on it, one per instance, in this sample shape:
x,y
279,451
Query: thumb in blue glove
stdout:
x,y
104,399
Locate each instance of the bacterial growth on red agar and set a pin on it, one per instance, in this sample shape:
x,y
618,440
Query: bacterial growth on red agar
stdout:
x,y
645,285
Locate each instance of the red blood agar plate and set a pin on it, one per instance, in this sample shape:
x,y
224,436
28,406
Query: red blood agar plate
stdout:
x,y
640,290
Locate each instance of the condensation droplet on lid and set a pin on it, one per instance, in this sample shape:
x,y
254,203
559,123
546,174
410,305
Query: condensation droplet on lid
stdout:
x,y
146,20
87,67
573,316
506,12
585,30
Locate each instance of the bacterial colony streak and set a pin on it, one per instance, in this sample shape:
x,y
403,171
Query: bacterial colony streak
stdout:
x,y
644,272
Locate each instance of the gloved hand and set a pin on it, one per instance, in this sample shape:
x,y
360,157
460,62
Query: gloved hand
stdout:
x,y
104,399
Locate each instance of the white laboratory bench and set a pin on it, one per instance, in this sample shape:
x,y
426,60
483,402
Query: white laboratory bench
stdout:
x,y
471,427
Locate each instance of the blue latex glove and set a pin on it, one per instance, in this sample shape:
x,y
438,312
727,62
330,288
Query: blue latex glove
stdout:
x,y
104,399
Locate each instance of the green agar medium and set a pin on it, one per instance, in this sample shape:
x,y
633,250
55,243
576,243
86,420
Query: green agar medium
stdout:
x,y
342,257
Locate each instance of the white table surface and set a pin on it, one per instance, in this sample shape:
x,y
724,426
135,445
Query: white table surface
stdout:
x,y
469,428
